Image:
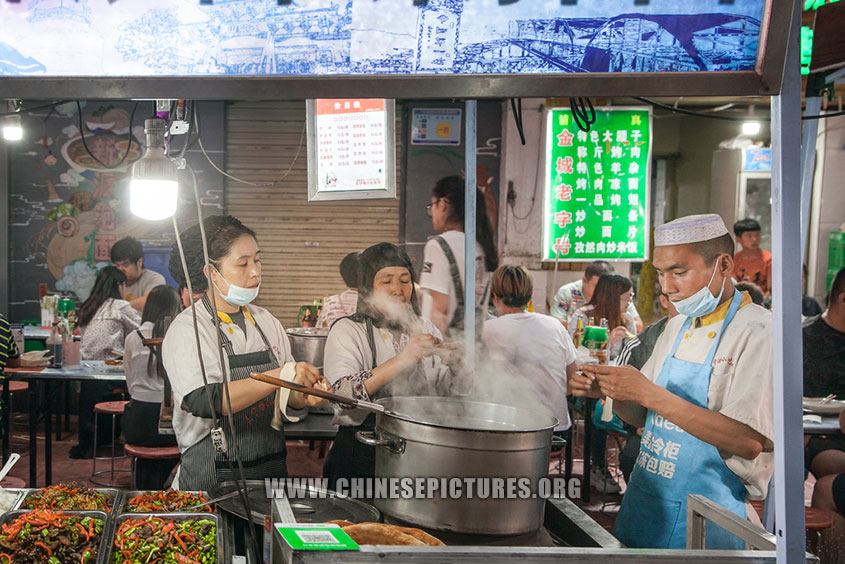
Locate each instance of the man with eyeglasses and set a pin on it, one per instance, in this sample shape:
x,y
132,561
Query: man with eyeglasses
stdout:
x,y
127,255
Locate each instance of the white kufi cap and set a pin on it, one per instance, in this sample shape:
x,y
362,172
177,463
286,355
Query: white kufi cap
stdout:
x,y
690,229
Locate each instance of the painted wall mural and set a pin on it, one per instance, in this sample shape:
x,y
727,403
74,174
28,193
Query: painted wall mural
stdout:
x,y
68,206
391,37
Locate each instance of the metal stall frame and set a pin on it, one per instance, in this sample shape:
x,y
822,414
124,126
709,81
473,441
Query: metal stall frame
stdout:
x,y
776,75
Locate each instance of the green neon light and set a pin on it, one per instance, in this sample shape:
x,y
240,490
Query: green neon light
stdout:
x,y
806,49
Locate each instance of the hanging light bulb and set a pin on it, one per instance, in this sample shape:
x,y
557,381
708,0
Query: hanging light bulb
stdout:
x,y
750,128
154,188
12,130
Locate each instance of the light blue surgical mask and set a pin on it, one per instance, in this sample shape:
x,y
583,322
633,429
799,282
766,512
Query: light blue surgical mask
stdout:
x,y
238,295
702,302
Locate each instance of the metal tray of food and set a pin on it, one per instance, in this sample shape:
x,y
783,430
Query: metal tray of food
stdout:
x,y
105,537
128,495
118,520
15,495
113,496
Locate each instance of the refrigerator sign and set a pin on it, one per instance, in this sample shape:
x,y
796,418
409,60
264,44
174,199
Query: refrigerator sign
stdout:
x,y
757,159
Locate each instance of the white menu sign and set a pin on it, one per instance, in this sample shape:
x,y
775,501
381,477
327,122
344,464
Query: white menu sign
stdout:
x,y
350,149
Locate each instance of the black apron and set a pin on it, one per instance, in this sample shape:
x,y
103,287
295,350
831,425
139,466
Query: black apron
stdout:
x,y
348,457
262,448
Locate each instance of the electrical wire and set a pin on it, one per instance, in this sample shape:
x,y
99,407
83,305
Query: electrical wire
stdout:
x,y
517,118
240,475
38,108
247,182
583,117
128,138
512,205
725,118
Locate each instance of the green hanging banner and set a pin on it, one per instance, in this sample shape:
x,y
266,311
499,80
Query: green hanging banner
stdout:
x,y
597,187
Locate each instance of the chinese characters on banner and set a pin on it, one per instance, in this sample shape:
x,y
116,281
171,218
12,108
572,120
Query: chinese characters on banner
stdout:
x,y
351,143
598,186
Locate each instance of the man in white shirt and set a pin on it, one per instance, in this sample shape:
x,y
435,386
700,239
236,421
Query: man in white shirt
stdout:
x,y
704,396
537,345
345,303
581,291
128,256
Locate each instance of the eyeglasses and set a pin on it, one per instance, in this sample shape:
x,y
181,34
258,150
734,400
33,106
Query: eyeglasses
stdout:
x,y
431,205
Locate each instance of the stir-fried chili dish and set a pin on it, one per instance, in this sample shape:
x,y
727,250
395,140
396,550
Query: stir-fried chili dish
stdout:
x,y
75,496
165,502
166,541
50,537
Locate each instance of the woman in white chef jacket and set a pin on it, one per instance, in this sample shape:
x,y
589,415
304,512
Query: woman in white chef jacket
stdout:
x,y
253,340
381,351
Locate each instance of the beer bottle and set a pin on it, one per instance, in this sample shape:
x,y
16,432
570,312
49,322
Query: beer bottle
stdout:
x,y
578,336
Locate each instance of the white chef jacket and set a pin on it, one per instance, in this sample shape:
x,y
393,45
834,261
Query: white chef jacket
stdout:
x,y
179,353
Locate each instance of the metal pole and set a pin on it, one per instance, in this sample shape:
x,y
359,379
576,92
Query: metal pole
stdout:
x,y
469,232
786,310
813,107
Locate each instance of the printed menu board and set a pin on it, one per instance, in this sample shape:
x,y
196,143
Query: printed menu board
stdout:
x,y
350,149
597,186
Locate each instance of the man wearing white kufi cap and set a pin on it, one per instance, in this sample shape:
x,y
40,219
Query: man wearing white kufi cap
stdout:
x,y
704,397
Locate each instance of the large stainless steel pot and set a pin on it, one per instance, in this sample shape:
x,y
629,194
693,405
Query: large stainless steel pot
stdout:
x,y
456,438
307,344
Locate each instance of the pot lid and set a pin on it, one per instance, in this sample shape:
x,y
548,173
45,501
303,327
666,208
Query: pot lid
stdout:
x,y
469,415
308,332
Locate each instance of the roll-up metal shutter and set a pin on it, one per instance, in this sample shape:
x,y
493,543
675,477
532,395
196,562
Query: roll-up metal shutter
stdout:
x,y
302,242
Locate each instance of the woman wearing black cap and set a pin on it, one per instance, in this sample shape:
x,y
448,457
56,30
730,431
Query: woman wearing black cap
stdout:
x,y
377,353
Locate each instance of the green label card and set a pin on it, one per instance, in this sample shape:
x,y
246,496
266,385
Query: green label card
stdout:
x,y
315,536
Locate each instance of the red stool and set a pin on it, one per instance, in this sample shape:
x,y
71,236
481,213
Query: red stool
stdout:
x,y
815,521
113,408
16,386
12,482
149,453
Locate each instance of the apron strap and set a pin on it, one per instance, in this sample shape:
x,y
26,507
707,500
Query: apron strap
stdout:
x,y
736,300
456,278
372,341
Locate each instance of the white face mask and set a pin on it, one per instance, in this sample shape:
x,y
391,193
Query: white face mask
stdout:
x,y
238,295
702,302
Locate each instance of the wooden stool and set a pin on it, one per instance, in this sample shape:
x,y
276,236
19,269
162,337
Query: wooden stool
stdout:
x,y
113,408
815,521
149,453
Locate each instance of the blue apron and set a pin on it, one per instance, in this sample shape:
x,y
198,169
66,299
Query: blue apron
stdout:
x,y
672,464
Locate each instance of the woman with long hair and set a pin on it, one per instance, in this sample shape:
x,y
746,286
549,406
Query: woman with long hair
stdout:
x,y
610,300
377,353
253,340
442,278
104,319
146,386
